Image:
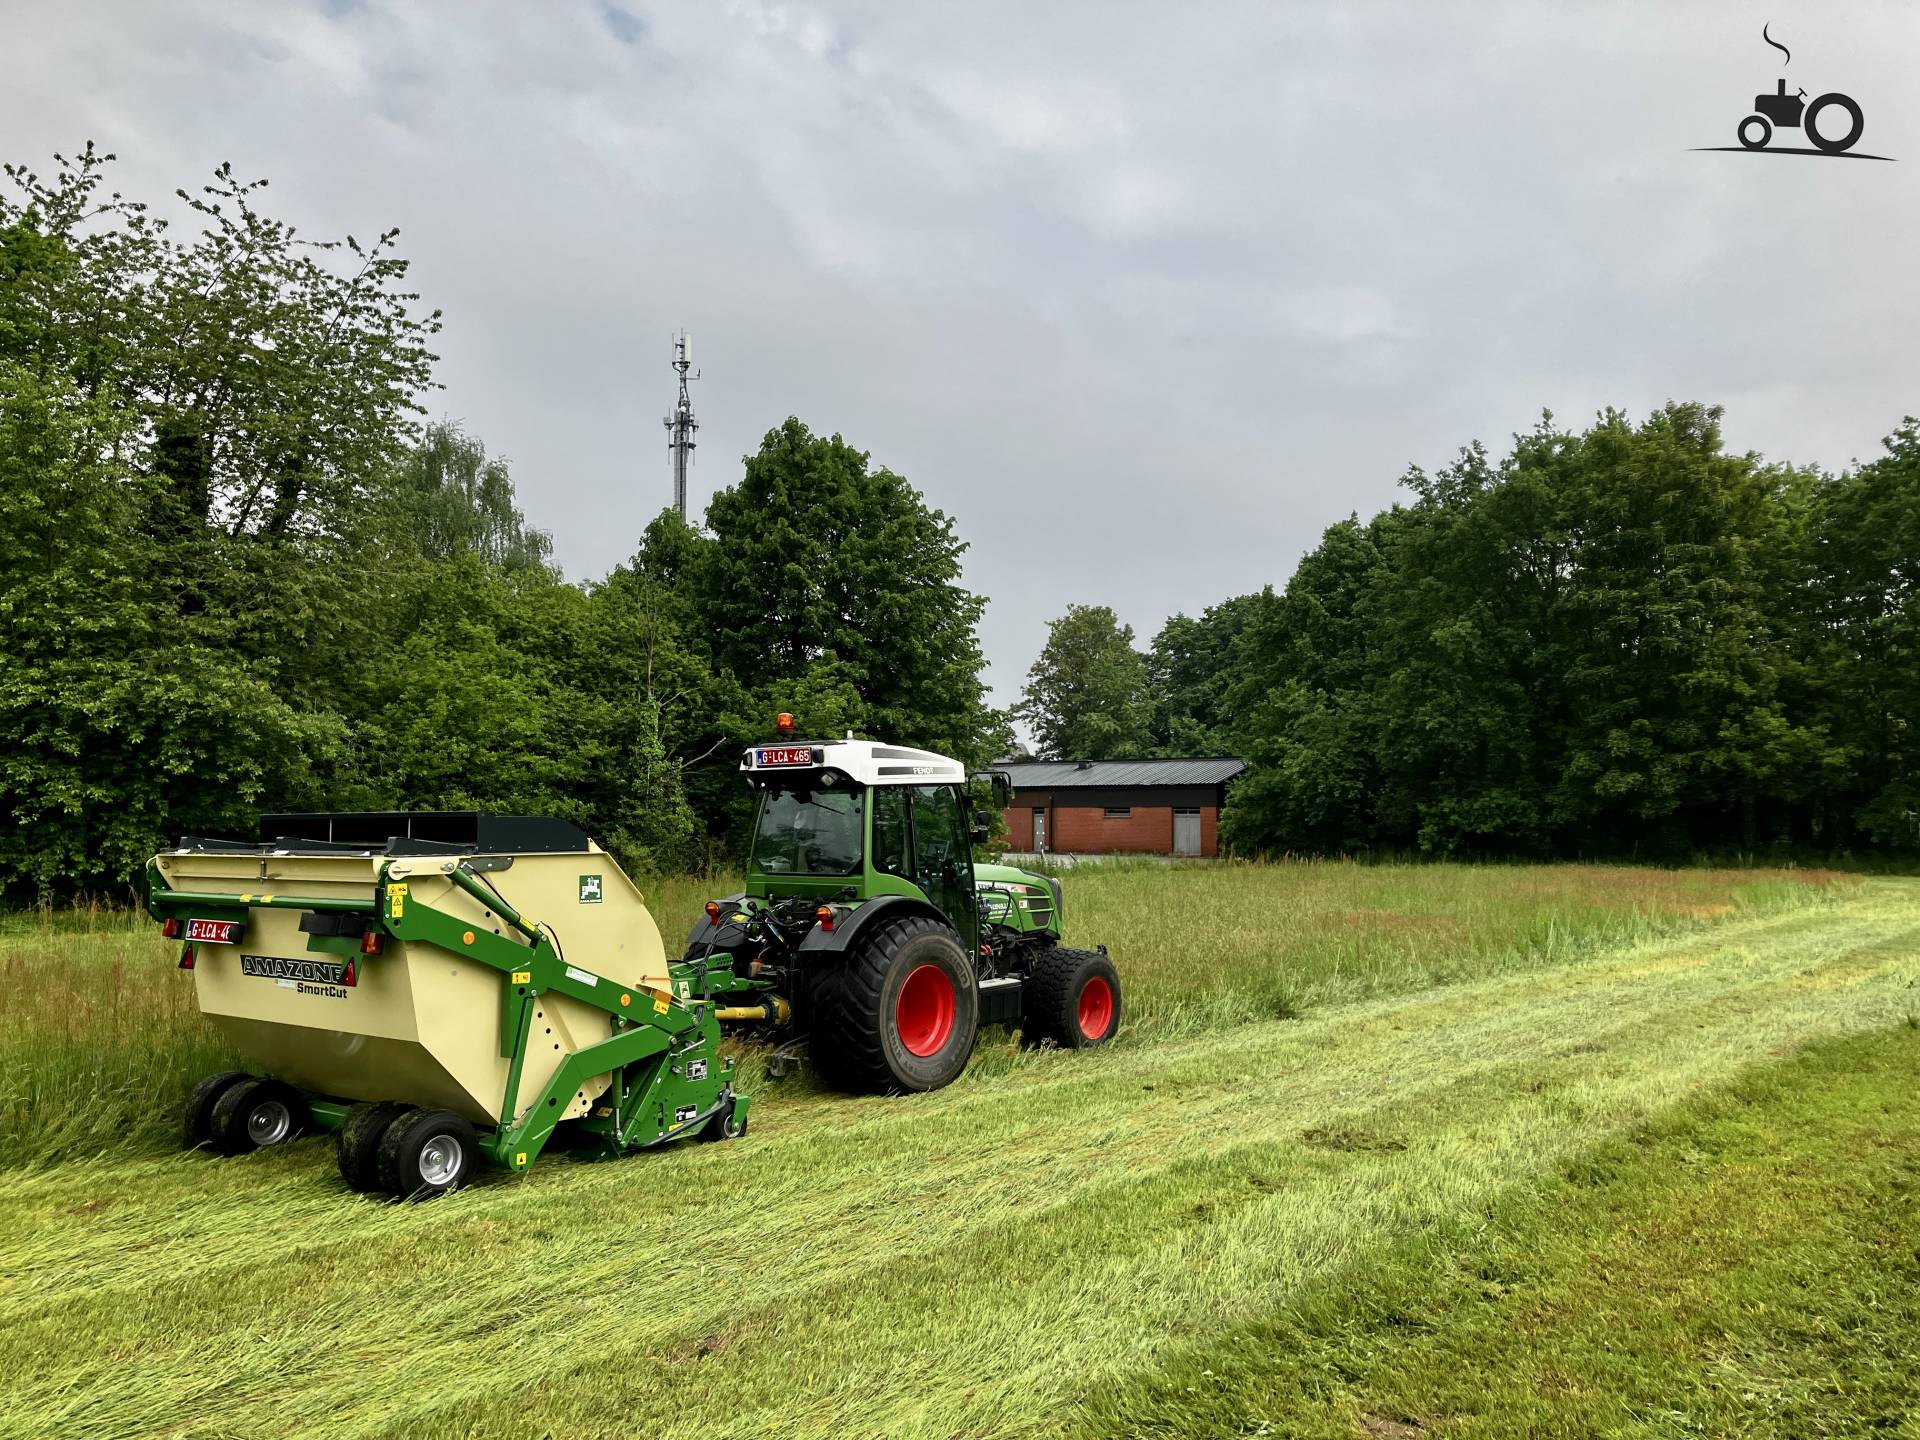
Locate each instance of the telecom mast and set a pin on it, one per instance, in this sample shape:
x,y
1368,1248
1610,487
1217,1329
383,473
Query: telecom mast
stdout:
x,y
680,422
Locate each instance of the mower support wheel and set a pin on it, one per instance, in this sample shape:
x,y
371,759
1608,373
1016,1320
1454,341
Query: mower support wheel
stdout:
x,y
200,1102
257,1113
358,1142
426,1153
726,1124
1072,999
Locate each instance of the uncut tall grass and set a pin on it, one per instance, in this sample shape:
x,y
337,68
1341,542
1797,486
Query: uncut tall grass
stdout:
x,y
100,1037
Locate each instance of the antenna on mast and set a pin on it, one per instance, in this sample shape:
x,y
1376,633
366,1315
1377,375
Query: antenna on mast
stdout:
x,y
680,422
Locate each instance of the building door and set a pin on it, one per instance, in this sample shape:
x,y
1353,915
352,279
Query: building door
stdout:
x,y
1186,832
1039,832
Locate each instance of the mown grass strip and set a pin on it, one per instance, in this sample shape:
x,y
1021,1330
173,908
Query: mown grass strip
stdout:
x,y
1747,1263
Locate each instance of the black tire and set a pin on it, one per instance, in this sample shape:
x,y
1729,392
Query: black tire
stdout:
x,y
410,1170
1072,999
257,1113
727,1123
1766,132
200,1100
1845,142
358,1142
862,1005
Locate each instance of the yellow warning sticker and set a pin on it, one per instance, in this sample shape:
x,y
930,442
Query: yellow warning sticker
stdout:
x,y
523,977
397,899
660,1004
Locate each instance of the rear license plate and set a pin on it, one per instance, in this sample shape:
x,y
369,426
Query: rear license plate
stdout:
x,y
213,932
785,755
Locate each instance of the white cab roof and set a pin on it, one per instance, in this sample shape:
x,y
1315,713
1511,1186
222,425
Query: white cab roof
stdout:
x,y
865,762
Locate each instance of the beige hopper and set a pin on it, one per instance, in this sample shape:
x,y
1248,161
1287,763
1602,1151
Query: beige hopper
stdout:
x,y
418,1021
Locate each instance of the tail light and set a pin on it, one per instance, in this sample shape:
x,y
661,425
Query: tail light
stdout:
x,y
825,916
713,912
372,942
186,956
170,927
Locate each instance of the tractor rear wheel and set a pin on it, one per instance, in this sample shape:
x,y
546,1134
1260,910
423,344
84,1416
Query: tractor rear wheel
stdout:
x,y
255,1114
200,1101
899,1011
359,1142
1072,999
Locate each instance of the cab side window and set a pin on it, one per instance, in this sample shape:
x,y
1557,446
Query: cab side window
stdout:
x,y
938,841
890,831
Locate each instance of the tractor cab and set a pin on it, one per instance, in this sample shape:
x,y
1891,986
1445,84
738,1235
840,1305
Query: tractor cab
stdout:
x,y
855,820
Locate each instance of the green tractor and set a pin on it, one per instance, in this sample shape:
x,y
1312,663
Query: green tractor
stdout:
x,y
867,933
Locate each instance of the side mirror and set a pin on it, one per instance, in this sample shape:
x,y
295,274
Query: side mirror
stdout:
x,y
979,828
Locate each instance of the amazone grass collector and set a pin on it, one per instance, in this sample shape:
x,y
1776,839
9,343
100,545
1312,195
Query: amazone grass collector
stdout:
x,y
446,988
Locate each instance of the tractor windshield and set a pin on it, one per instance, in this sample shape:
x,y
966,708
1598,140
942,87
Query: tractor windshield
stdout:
x,y
808,832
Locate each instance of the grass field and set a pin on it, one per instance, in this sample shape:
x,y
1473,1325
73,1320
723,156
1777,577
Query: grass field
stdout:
x,y
1392,1151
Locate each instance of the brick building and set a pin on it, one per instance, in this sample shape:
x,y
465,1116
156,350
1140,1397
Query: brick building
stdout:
x,y
1117,807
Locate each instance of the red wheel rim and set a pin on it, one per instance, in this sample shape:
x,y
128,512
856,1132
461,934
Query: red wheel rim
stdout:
x,y
1096,1007
923,1015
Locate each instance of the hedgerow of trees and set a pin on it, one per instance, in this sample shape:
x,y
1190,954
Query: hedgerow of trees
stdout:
x,y
1623,640
243,574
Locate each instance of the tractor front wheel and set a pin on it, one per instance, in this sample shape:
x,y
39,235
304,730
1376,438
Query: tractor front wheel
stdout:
x,y
899,1012
1072,999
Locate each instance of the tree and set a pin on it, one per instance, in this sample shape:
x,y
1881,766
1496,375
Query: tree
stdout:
x,y
1086,696
454,500
1592,645
200,435
1676,667
1305,711
833,578
1865,536
274,385
1190,667
121,718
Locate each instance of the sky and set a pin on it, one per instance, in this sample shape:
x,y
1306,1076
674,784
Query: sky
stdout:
x,y
1143,296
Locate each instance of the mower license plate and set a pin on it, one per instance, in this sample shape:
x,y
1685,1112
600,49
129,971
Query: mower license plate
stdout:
x,y
770,755
213,932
